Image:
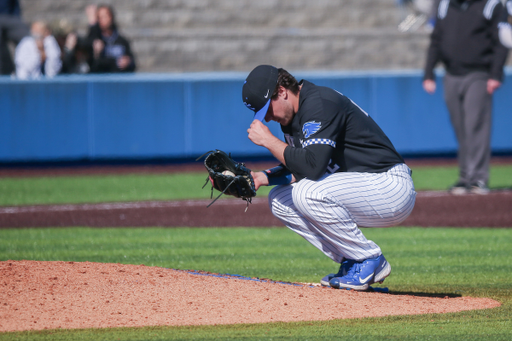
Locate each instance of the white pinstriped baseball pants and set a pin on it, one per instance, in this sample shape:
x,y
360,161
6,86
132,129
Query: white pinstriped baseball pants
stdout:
x,y
328,212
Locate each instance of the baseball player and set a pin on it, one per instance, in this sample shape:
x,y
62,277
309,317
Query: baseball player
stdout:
x,y
338,172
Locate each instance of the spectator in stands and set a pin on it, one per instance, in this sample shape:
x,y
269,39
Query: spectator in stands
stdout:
x,y
111,52
75,55
506,26
37,54
465,39
12,29
74,52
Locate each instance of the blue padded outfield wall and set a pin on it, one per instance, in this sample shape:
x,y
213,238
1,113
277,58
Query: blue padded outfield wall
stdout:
x,y
181,116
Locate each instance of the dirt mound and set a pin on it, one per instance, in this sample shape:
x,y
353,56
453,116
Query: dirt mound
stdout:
x,y
48,295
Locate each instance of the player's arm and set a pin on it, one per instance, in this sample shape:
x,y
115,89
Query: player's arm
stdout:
x,y
260,135
310,162
278,175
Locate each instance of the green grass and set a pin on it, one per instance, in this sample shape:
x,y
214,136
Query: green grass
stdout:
x,y
474,262
104,188
441,178
135,187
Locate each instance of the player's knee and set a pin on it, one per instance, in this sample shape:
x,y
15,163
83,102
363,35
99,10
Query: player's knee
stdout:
x,y
277,198
307,191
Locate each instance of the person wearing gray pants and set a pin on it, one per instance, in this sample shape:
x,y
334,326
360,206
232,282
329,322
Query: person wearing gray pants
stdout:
x,y
466,40
470,107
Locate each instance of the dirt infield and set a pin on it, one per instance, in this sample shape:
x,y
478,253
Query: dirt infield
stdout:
x,y
51,295
432,209
47,295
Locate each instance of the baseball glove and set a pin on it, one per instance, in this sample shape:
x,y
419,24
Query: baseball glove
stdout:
x,y
228,176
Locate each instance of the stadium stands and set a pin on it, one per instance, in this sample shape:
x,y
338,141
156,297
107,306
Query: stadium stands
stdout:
x,y
217,35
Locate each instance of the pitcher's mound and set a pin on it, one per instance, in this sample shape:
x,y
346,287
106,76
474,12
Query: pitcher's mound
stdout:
x,y
48,295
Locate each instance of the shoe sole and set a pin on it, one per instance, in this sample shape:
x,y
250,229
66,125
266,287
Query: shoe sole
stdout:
x,y
458,191
350,286
479,191
325,281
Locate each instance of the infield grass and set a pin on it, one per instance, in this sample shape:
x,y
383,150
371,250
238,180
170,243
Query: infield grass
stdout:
x,y
136,187
447,261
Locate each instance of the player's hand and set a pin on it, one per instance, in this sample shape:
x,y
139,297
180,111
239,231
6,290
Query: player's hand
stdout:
x,y
260,179
492,85
429,85
259,134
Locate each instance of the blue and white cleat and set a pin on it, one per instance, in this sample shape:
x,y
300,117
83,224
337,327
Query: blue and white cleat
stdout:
x,y
362,274
344,268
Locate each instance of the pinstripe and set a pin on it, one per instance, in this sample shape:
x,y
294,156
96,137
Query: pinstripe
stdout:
x,y
329,212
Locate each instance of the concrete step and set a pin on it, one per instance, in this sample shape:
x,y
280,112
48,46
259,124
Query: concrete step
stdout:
x,y
227,13
193,50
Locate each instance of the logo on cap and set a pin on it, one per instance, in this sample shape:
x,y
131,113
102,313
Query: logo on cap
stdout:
x,y
258,86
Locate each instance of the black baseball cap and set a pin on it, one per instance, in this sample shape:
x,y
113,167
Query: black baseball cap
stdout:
x,y
258,89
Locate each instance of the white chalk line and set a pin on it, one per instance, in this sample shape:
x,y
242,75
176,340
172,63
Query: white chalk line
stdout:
x,y
157,204
122,206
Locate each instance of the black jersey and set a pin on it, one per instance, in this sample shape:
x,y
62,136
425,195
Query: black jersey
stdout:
x,y
330,133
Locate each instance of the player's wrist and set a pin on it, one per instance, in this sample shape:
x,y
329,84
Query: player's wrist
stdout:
x,y
278,176
261,178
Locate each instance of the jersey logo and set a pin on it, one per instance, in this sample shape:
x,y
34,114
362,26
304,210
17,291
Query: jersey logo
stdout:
x,y
248,105
311,127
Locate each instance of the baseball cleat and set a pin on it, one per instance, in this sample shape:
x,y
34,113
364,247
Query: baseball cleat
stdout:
x,y
479,187
344,267
459,188
362,274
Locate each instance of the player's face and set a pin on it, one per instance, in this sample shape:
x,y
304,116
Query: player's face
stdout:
x,y
280,109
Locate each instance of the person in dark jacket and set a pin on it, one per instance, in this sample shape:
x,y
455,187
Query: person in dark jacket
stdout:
x,y
466,40
12,29
111,52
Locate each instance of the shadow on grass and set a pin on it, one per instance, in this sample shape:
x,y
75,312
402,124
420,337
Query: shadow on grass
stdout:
x,y
501,189
424,294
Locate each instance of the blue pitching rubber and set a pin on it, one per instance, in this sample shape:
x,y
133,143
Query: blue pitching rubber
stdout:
x,y
362,274
384,290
